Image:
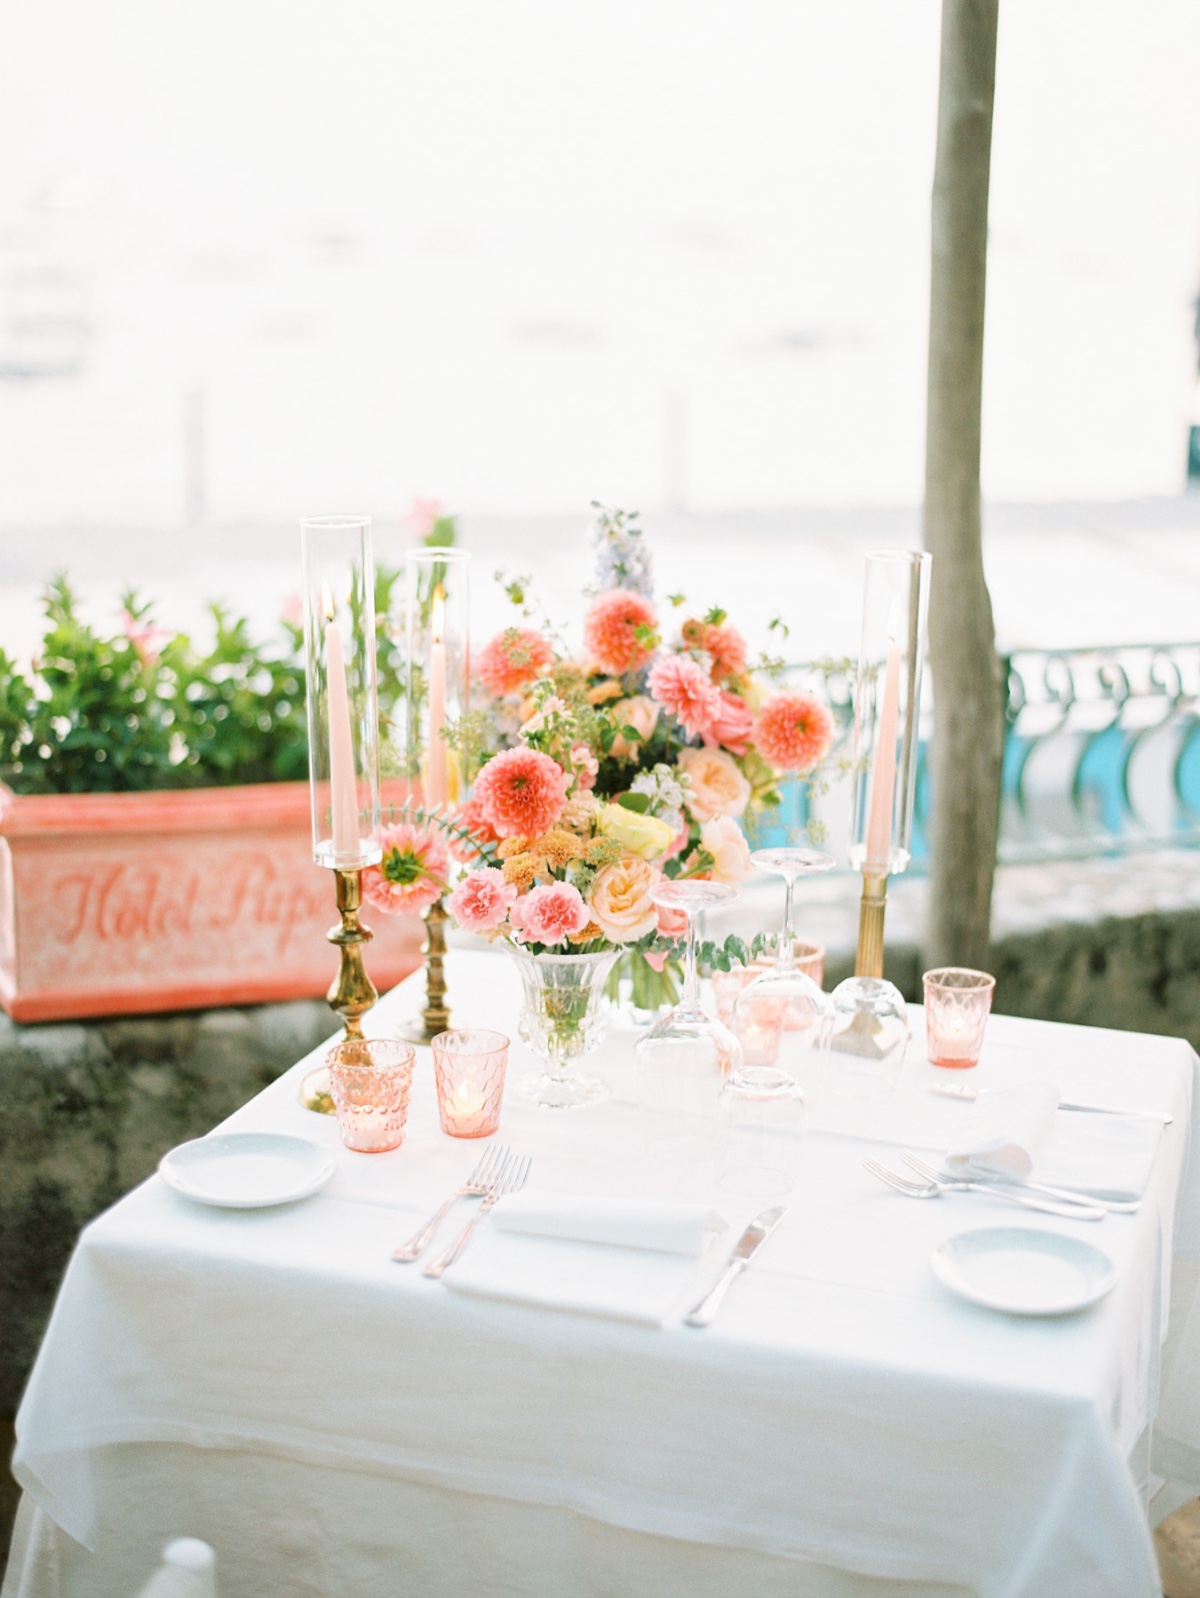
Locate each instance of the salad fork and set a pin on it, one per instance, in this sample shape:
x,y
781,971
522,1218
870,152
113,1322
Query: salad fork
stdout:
x,y
511,1180
1114,1205
478,1185
913,1188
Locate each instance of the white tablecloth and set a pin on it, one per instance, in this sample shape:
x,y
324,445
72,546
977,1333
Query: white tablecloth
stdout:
x,y
845,1414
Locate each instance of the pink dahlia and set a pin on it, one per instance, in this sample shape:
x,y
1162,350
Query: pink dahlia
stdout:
x,y
793,731
728,650
550,913
682,688
515,658
618,631
481,900
412,872
731,725
521,793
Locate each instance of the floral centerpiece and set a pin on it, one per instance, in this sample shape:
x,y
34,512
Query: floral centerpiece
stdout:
x,y
603,771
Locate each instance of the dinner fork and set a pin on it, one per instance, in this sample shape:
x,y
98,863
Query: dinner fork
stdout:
x,y
478,1185
512,1180
1115,1206
912,1188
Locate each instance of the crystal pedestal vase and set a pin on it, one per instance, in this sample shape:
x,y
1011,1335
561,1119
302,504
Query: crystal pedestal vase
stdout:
x,y
562,1020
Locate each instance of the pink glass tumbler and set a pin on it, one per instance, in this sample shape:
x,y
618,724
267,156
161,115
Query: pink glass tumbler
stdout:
x,y
371,1081
468,1068
957,1005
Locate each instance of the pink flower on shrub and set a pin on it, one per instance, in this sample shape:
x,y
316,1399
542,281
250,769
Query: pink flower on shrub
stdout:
x,y
550,913
513,659
481,900
731,725
412,872
521,793
144,636
616,630
794,731
682,688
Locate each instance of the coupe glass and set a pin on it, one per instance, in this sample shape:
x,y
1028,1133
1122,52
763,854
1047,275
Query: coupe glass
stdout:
x,y
684,1057
781,1018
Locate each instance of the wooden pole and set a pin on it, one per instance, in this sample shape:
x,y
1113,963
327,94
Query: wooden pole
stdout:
x,y
967,687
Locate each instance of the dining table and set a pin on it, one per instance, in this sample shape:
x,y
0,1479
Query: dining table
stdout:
x,y
339,1425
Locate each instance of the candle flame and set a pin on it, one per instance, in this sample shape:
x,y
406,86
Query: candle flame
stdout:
x,y
327,610
437,620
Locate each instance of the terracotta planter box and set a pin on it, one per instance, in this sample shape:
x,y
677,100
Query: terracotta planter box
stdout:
x,y
118,904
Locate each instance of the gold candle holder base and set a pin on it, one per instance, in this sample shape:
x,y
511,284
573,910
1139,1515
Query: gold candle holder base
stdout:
x,y
435,1017
352,992
872,907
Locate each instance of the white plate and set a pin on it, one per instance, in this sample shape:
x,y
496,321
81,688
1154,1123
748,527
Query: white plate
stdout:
x,y
1023,1270
247,1170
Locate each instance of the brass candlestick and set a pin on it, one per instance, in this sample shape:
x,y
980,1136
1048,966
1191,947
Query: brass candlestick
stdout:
x,y
872,907
352,992
435,1017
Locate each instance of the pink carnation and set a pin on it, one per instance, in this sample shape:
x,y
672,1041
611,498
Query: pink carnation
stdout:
x,y
794,731
616,631
681,687
412,872
513,659
550,913
728,650
521,793
731,725
481,900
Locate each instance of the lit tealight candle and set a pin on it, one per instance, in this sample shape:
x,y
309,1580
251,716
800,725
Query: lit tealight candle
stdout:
x,y
464,1107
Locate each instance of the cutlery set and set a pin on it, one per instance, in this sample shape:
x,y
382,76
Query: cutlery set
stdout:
x,y
500,1172
927,1182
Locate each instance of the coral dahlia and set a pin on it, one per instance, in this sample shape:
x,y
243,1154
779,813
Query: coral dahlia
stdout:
x,y
682,688
513,659
793,731
521,793
620,631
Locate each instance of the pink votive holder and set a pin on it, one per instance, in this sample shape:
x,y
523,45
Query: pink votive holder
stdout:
x,y
468,1069
371,1081
957,1005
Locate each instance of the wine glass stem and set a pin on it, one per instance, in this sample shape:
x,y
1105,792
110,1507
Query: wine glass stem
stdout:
x,y
787,957
691,982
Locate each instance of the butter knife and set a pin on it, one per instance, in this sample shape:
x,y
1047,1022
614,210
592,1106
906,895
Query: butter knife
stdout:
x,y
751,1240
964,1090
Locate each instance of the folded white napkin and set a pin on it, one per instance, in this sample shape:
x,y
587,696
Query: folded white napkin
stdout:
x,y
623,1223
618,1258
1003,1132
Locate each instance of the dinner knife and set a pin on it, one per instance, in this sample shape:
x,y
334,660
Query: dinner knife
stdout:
x,y
964,1090
751,1240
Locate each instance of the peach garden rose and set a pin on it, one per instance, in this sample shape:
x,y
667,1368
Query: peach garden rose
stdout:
x,y
716,786
723,839
622,906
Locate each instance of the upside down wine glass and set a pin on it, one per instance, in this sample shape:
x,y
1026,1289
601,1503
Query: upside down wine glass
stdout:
x,y
684,1057
782,1017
